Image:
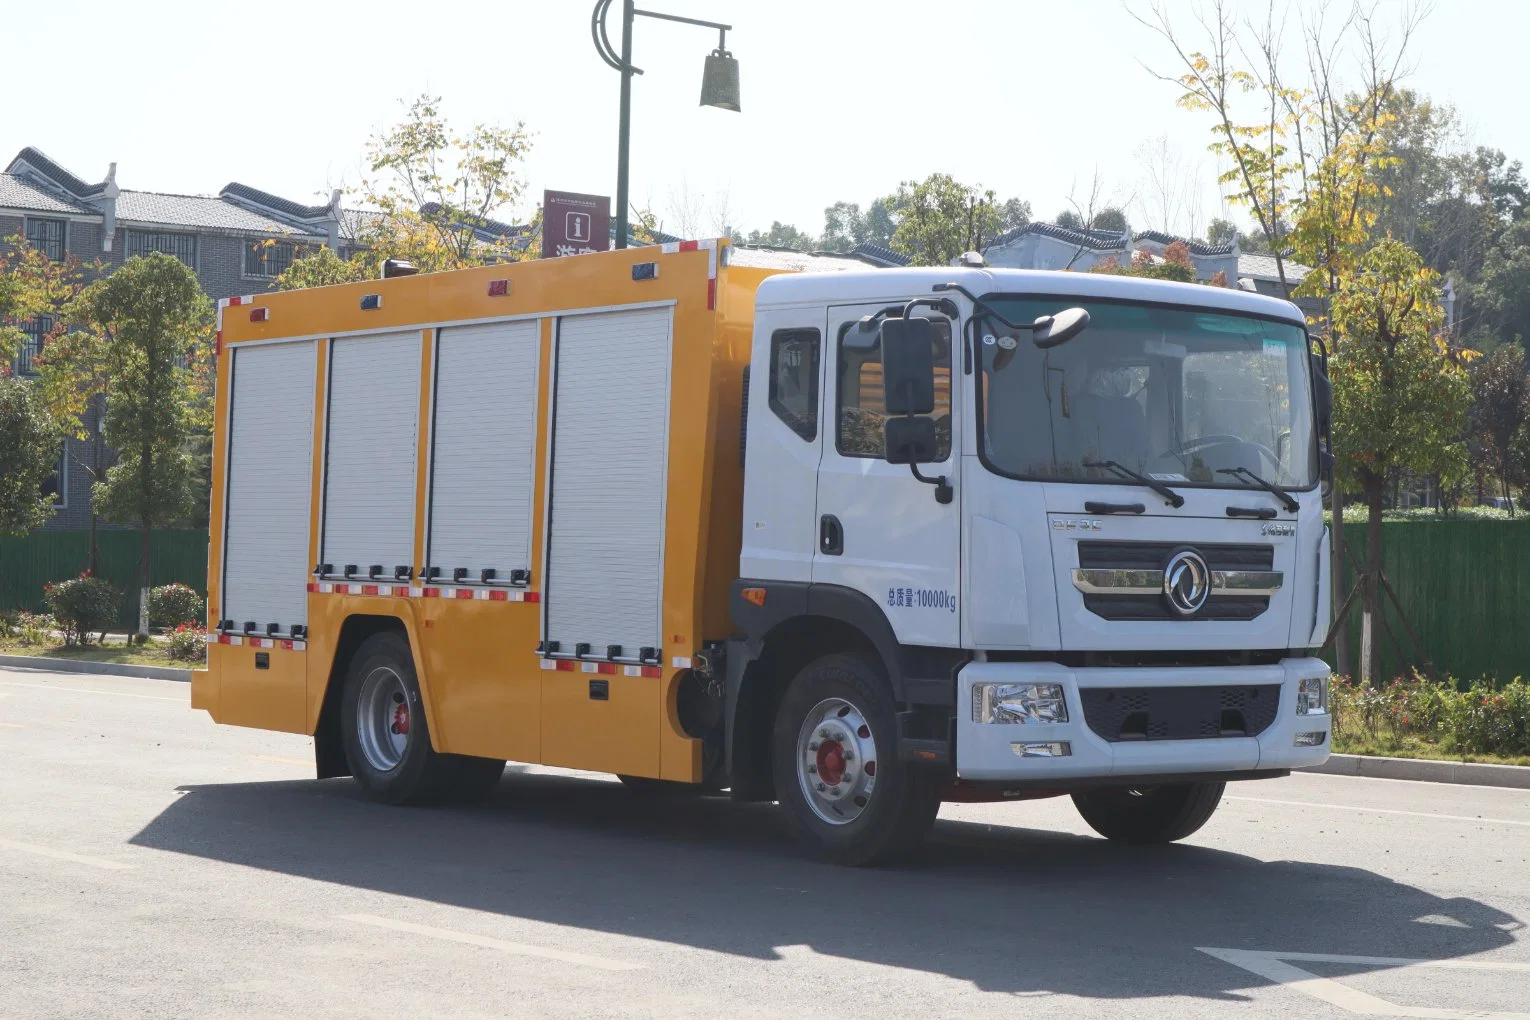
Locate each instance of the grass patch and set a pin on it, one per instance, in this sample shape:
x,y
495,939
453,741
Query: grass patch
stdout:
x,y
1415,747
150,655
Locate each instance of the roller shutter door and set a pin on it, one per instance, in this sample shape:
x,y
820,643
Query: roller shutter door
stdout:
x,y
270,482
483,448
610,441
369,484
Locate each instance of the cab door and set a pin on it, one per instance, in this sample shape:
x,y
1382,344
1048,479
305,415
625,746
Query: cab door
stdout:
x,y
880,530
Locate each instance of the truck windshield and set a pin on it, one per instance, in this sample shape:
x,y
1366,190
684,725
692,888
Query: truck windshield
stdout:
x,y
1183,396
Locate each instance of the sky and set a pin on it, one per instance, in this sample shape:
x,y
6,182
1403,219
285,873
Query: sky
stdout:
x,y
841,99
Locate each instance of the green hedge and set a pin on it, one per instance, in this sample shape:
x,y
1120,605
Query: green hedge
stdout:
x,y
28,563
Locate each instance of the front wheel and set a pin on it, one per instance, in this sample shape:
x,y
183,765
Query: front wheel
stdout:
x,y
1149,814
837,773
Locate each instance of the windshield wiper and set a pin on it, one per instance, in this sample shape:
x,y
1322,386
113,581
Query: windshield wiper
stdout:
x,y
1170,497
1286,499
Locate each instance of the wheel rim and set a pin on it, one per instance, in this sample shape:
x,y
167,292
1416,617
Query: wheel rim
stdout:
x,y
383,719
836,761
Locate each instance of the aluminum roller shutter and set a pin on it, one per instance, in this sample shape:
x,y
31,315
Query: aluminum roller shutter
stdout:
x,y
610,446
483,448
369,485
270,484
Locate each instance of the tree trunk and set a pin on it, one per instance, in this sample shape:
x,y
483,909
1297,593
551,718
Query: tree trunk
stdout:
x,y
95,476
1342,662
1504,478
1370,657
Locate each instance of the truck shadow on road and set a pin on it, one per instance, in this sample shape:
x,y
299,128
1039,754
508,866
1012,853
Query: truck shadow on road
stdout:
x,y
1009,909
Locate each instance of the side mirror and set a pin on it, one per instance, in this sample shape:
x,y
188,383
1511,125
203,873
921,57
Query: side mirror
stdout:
x,y
908,366
910,440
1056,330
1322,392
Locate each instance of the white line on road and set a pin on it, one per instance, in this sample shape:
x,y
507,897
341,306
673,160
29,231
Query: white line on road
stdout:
x,y
517,948
64,855
1273,967
91,690
1380,811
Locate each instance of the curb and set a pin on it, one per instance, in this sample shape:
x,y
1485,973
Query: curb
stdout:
x,y
53,665
1425,770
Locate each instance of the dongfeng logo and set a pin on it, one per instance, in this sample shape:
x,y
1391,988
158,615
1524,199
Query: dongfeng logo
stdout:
x,y
1278,530
1186,582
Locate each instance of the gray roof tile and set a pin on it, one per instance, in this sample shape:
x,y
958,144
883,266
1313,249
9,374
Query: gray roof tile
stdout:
x,y
20,193
39,161
205,212
1262,267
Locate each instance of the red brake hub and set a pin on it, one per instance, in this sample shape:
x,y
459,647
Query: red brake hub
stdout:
x,y
401,719
831,762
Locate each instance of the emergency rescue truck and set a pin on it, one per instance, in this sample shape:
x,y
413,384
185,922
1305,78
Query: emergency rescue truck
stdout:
x,y
856,541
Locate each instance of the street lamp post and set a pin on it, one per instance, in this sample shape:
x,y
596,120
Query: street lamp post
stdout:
x,y
719,83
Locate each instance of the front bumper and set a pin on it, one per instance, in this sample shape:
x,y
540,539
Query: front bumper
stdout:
x,y
984,751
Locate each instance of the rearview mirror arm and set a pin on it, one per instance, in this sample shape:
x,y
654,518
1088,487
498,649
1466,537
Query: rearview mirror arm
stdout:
x,y
943,491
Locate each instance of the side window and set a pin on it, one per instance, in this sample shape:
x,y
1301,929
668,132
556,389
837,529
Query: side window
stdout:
x,y
794,380
862,408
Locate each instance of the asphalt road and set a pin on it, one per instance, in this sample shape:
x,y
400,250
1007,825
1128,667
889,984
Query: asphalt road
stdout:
x,y
154,864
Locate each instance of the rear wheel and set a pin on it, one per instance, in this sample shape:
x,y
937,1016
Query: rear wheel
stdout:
x,y
1149,814
837,773
387,738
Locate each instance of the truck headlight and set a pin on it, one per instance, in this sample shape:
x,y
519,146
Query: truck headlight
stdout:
x,y
1018,703
1312,696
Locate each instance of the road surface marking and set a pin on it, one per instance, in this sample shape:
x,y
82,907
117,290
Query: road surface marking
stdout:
x,y
1380,811
282,761
63,855
517,948
1275,967
12,725
91,690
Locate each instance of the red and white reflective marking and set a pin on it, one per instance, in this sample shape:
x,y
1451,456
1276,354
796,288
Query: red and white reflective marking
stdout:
x,y
418,592
605,668
710,247
287,644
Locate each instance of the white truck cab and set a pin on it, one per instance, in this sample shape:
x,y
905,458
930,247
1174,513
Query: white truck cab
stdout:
x,y
1040,532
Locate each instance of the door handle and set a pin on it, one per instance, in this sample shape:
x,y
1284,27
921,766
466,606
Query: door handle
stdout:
x,y
831,535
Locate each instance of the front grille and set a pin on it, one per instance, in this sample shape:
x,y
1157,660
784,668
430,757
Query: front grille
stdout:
x,y
1120,714
1152,556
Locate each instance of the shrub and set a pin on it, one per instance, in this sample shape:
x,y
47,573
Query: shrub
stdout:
x,y
1483,717
34,628
188,643
83,605
171,605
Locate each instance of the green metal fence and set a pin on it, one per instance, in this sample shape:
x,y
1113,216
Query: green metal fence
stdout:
x,y
1465,584
26,564
1466,588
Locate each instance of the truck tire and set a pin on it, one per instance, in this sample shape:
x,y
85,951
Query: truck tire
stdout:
x,y
837,772
1149,814
384,730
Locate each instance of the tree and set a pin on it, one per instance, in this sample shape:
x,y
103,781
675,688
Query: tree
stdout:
x,y
31,284
319,268
1220,231
1501,411
783,235
29,441
939,219
1501,294
1400,392
1109,218
154,325
437,191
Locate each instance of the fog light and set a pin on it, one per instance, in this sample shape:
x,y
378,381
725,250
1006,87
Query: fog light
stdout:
x,y
1314,739
1018,703
1043,749
1312,696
